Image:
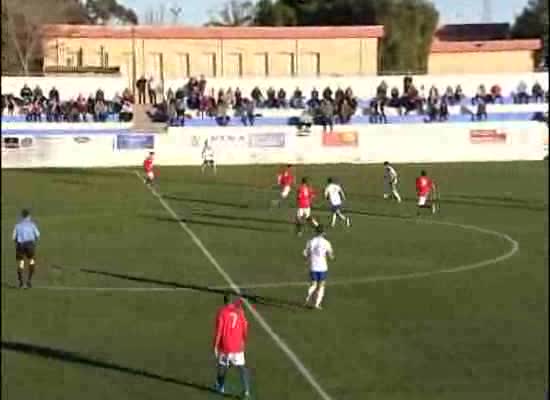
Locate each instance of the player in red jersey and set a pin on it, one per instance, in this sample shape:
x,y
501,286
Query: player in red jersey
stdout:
x,y
148,168
304,199
285,180
425,188
229,343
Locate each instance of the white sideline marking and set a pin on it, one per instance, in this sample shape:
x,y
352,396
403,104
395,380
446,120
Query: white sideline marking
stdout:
x,y
282,345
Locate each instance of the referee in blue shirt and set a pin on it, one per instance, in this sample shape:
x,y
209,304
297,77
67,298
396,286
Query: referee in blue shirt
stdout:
x,y
25,236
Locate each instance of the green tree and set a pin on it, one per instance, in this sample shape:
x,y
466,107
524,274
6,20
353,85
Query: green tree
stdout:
x,y
533,23
234,13
409,24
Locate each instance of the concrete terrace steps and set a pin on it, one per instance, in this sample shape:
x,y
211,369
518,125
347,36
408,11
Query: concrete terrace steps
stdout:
x,y
143,124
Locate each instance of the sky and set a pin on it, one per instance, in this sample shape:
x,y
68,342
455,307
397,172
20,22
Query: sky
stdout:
x,y
196,12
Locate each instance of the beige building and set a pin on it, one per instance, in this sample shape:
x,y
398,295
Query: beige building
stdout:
x,y
169,53
480,57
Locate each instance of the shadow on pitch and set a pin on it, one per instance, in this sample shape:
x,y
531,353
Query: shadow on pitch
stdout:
x,y
75,358
205,202
243,218
254,299
218,224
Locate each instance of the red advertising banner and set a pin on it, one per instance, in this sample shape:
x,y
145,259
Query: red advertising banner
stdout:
x,y
481,136
336,139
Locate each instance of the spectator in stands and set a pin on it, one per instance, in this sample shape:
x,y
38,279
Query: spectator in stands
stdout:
x,y
327,94
297,100
314,94
35,112
395,101
459,94
170,95
314,103
449,95
305,120
521,96
151,90
127,112
172,112
37,93
229,97
141,86
180,111
257,97
10,103
339,96
281,98
100,111
327,114
433,93
537,92
481,112
345,111
222,118
271,101
82,106
443,109
496,94
247,113
238,97
374,115
407,83
26,93
53,111
202,84
99,95
54,94
382,90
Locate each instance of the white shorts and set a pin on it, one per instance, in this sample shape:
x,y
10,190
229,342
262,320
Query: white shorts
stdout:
x,y
285,192
422,200
231,359
150,175
304,213
389,187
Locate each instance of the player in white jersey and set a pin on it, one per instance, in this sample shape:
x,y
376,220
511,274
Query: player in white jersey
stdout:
x,y
336,196
390,182
208,157
316,253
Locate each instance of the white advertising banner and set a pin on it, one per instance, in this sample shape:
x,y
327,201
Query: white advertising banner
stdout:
x,y
399,143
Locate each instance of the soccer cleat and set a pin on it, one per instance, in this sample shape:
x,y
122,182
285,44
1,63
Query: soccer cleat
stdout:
x,y
21,286
318,307
246,395
219,389
433,208
29,285
348,222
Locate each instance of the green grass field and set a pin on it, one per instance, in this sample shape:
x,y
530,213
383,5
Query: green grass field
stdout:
x,y
394,326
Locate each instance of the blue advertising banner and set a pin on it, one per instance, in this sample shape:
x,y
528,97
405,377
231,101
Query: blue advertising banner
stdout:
x,y
135,142
267,139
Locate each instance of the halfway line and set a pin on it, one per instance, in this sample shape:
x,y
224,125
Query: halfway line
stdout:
x,y
282,345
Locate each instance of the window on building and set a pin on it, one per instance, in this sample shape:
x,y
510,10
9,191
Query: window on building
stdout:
x,y
209,64
261,64
234,65
310,64
184,62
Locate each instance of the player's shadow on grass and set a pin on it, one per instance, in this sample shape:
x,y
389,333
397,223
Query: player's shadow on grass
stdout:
x,y
243,218
219,225
253,298
76,358
206,202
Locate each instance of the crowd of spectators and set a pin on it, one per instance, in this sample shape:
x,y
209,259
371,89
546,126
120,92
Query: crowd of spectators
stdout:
x,y
36,107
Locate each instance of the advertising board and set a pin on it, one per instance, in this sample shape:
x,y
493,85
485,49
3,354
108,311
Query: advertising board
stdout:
x,y
267,140
339,139
135,142
482,136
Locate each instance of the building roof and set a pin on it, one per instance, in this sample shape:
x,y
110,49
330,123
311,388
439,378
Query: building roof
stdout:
x,y
470,32
179,32
439,46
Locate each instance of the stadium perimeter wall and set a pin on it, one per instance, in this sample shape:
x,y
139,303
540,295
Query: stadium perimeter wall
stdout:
x,y
363,86
487,141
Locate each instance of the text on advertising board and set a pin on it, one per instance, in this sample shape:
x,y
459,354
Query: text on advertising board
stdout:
x,y
135,142
487,136
267,139
349,138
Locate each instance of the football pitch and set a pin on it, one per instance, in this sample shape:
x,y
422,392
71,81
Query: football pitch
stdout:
x,y
445,307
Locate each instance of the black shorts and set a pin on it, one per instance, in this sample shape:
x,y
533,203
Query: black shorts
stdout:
x,y
208,162
25,249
